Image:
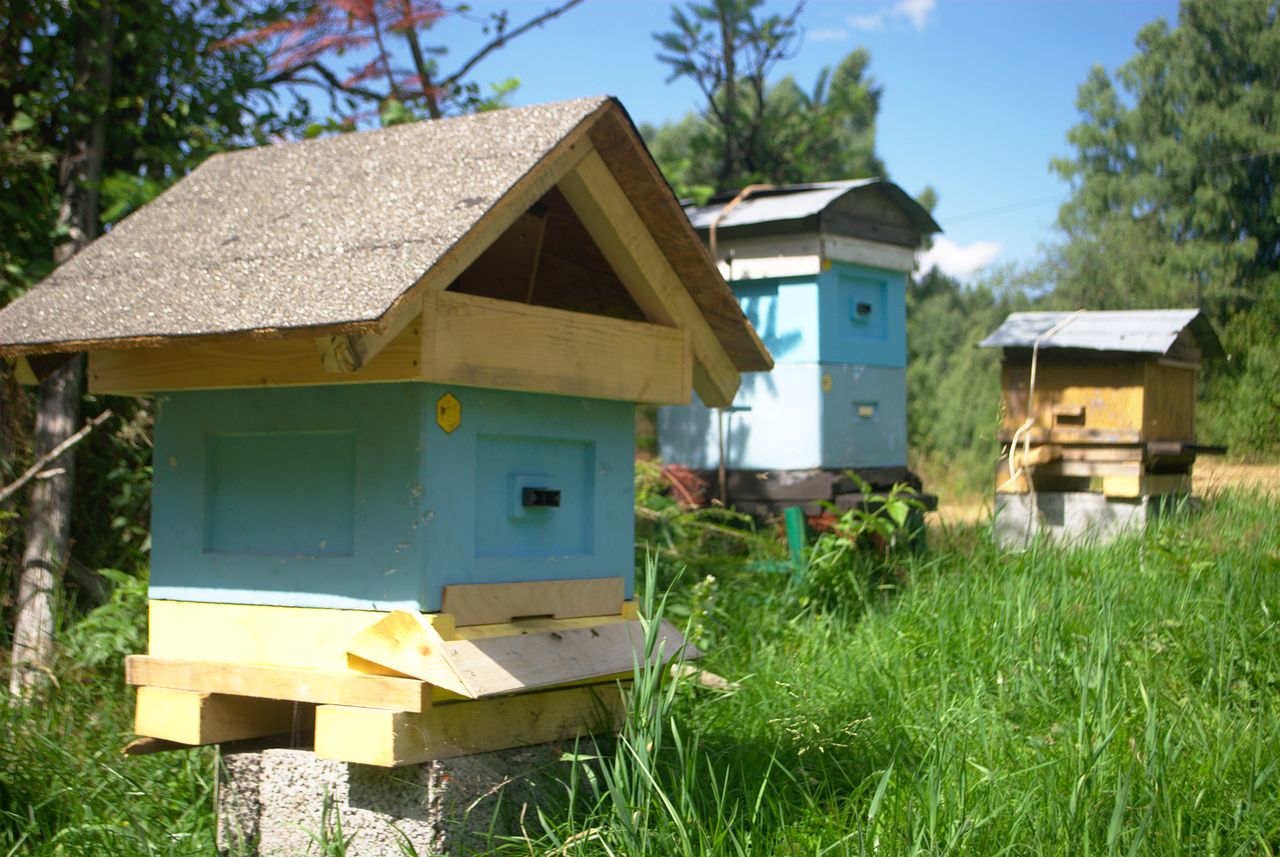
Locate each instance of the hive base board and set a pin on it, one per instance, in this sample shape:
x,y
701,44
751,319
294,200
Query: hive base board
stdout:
x,y
394,738
1073,516
192,718
766,493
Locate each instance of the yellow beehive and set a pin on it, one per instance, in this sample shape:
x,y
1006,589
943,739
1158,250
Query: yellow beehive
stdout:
x,y
1113,404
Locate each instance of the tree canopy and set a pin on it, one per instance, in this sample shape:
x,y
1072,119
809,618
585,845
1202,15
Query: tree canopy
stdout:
x,y
749,131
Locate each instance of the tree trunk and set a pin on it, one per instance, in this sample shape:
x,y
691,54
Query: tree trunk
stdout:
x,y
48,525
58,411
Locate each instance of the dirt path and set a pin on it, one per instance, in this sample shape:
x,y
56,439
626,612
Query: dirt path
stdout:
x,y
1209,474
1213,473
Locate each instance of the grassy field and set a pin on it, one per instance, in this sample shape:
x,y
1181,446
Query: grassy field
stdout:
x,y
1123,700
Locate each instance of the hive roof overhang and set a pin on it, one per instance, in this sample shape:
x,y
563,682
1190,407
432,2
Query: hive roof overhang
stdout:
x,y
818,207
1152,333
329,236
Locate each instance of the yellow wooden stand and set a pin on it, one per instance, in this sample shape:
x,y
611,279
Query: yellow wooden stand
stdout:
x,y
396,688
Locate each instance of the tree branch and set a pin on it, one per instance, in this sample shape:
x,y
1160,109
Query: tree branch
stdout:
x,y
34,470
330,79
503,37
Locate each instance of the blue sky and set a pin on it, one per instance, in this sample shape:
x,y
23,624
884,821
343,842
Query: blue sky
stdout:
x,y
978,94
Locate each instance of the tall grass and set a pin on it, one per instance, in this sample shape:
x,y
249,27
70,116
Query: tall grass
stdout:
x,y
1120,700
1096,701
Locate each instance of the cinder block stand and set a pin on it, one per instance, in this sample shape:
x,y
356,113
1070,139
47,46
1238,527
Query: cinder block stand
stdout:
x,y
1072,516
280,802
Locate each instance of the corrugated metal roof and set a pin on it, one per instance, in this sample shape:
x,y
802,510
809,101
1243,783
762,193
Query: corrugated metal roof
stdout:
x,y
798,201
1151,332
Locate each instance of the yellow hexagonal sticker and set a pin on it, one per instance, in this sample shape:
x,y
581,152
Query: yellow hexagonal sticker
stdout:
x,y
448,412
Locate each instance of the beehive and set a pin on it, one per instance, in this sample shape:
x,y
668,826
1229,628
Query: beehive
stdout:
x,y
395,375
1112,414
820,270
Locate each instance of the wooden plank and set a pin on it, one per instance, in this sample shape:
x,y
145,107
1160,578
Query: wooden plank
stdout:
x,y
299,685
402,642
523,195
1169,410
1108,396
494,666
486,603
499,665
261,363
1039,455
485,342
1146,485
389,739
634,169
194,717
639,262
303,637
307,637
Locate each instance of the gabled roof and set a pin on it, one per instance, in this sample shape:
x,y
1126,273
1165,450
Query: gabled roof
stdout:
x,y
329,236
1148,332
816,207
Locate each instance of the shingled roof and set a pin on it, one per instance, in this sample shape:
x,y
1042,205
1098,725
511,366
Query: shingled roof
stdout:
x,y
326,236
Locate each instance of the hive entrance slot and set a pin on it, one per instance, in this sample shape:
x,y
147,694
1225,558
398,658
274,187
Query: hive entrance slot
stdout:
x,y
532,616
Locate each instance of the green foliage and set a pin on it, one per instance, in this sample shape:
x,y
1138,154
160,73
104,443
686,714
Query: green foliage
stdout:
x,y
855,560
752,132
1057,701
66,789
953,387
106,634
1116,700
1173,201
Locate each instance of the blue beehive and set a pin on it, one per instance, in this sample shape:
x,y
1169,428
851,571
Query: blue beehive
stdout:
x,y
395,376
820,270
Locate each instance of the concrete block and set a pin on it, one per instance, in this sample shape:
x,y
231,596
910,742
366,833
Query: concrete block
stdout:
x,y
280,802
1071,516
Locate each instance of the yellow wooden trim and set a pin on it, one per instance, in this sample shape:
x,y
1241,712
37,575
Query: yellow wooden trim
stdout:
x,y
403,643
488,603
269,682
263,363
484,342
638,260
305,637
494,666
1146,485
389,739
511,207
22,371
193,717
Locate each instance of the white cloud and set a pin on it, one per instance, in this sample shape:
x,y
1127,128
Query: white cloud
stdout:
x,y
915,12
833,34
959,261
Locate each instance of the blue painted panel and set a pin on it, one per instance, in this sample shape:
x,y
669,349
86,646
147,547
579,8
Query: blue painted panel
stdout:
x,y
248,484
352,496
514,528
775,424
785,314
864,316
864,417
278,470
583,447
793,419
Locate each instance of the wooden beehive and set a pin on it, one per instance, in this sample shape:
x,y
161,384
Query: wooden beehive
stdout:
x,y
1114,403
820,270
395,375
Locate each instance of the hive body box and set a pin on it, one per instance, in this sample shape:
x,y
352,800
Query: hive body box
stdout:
x,y
395,375
820,270
1112,419
354,496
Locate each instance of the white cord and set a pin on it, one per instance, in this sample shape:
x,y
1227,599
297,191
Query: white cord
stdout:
x,y
1016,470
